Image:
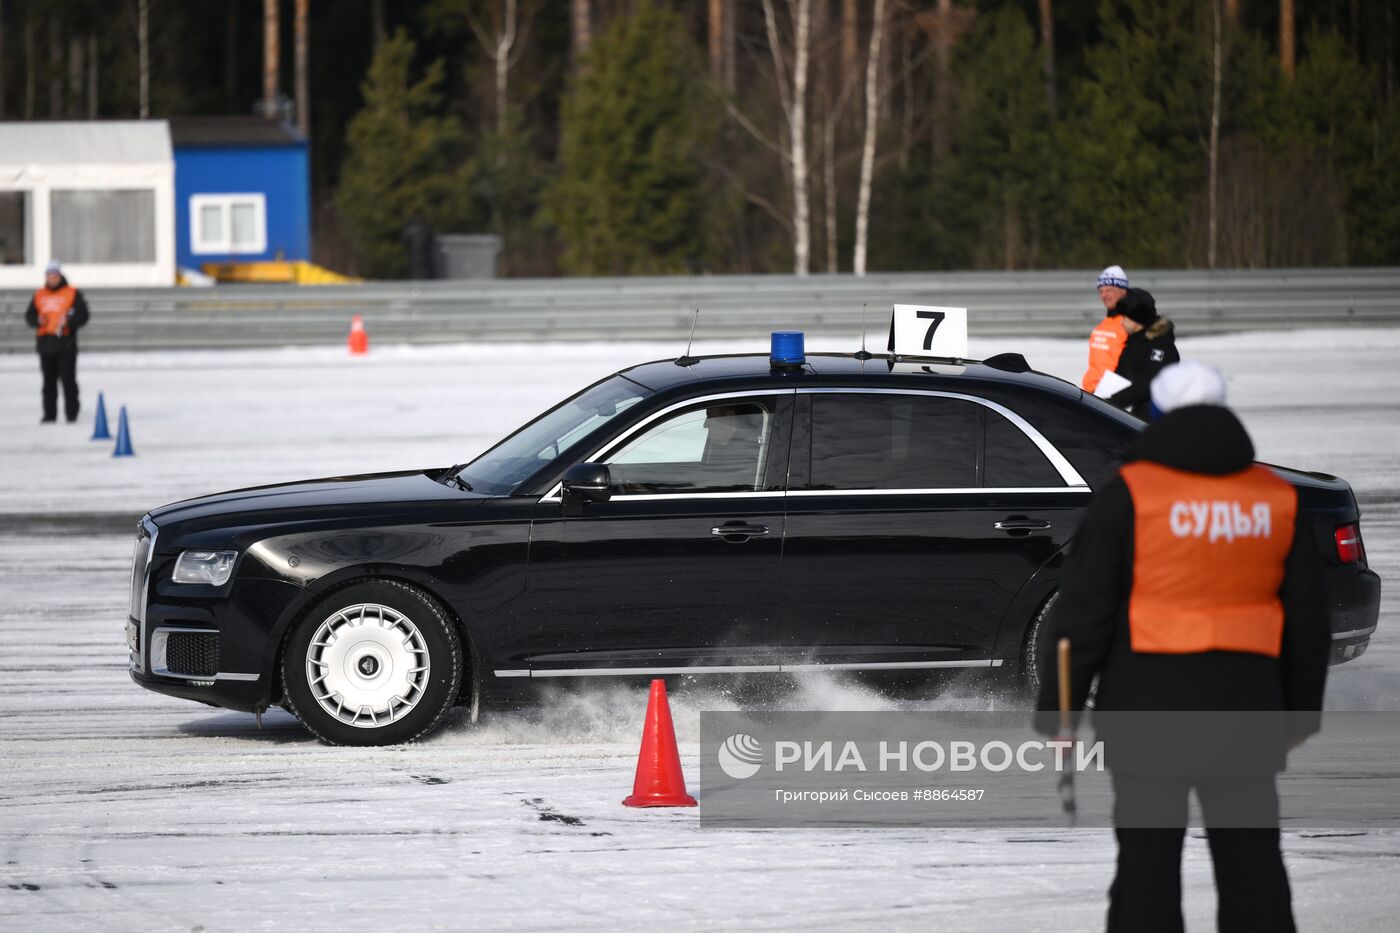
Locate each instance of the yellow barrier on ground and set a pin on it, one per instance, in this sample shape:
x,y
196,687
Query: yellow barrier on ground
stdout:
x,y
298,272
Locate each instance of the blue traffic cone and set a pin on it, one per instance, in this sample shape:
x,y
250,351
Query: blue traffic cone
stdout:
x,y
99,429
123,437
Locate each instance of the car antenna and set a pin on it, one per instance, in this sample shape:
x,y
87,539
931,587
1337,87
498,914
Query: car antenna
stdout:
x,y
863,354
686,359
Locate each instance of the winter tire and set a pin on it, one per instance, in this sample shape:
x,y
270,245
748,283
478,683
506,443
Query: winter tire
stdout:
x,y
376,663
1030,652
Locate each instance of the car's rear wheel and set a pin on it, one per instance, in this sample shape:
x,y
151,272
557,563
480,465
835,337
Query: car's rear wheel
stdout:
x,y
1030,651
377,663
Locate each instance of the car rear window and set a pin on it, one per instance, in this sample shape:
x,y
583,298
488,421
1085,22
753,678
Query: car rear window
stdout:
x,y
1011,458
893,442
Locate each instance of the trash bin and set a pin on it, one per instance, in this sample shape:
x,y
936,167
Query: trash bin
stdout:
x,y
467,255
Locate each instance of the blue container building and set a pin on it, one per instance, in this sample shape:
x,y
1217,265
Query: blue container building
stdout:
x,y
242,191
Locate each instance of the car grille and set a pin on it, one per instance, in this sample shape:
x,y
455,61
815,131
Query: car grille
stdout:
x,y
192,654
140,580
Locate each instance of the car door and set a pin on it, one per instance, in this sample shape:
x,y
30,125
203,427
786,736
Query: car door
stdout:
x,y
679,568
914,517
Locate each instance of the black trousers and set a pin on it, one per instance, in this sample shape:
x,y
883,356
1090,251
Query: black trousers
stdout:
x,y
1250,880
60,367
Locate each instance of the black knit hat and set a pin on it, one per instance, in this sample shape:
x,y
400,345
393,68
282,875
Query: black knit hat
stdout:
x,y
1137,306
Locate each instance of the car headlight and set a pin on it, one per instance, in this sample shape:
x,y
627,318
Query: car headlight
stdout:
x,y
211,567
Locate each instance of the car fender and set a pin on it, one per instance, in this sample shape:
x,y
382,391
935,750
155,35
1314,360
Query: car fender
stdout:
x,y
1032,595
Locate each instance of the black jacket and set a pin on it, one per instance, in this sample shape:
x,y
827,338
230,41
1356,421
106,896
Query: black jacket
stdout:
x,y
1092,609
1144,355
77,317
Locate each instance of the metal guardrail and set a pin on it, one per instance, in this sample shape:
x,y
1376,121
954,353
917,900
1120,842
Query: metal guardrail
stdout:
x,y
1013,303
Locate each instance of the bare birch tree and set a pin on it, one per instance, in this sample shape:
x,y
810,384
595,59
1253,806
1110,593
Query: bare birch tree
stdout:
x,y
730,46
377,24
76,53
503,44
850,38
301,46
1047,52
716,23
581,28
792,95
872,127
272,58
1214,136
55,45
31,64
92,77
143,54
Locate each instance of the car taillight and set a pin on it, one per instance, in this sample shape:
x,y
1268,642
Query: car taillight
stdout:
x,y
1348,538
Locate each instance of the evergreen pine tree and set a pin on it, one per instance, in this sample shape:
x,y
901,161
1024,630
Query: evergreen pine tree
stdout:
x,y
1136,143
630,196
404,160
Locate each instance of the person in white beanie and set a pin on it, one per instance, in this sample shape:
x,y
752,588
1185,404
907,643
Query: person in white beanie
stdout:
x,y
1194,584
1106,341
1181,385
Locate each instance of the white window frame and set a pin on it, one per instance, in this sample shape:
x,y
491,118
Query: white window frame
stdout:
x,y
223,246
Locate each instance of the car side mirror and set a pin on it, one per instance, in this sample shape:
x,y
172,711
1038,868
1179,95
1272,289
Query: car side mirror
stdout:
x,y
590,482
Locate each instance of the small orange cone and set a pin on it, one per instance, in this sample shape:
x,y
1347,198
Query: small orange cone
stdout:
x,y
660,781
359,339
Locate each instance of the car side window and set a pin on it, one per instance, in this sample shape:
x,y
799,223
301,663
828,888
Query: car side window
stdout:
x,y
719,446
893,442
1011,458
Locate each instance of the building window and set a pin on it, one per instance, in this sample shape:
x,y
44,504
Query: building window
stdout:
x,y
228,224
104,226
14,228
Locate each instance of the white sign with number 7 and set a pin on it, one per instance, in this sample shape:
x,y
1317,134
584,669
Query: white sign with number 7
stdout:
x,y
920,330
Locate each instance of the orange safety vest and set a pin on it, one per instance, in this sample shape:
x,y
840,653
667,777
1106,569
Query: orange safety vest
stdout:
x,y
1105,346
53,307
1208,559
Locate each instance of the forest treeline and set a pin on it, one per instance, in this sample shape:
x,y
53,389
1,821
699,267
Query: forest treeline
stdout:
x,y
618,137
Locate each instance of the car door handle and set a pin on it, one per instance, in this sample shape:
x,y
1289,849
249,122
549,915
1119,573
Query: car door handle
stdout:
x,y
1021,524
738,533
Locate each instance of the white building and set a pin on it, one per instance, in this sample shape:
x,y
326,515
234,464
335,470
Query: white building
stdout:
x,y
98,196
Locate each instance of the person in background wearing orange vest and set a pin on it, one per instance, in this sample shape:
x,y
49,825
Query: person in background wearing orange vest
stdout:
x,y
1193,586
56,313
1106,342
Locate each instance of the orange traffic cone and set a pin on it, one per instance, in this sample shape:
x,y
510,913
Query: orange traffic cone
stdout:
x,y
359,339
660,781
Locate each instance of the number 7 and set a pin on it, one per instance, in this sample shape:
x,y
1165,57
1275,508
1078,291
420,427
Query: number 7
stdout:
x,y
937,317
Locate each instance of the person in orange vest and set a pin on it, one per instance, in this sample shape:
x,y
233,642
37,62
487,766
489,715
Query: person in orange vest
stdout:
x,y
1106,341
1193,586
56,312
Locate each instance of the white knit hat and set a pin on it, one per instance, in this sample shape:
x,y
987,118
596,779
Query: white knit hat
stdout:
x,y
52,267
1183,384
1113,275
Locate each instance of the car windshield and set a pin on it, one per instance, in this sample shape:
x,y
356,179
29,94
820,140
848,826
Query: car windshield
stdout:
x,y
510,462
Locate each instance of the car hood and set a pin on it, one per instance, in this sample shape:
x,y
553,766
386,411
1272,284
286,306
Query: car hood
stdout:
x,y
349,493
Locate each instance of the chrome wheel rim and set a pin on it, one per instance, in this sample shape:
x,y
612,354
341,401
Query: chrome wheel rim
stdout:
x,y
367,665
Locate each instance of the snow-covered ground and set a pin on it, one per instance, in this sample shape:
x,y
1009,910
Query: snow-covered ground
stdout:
x,y
126,810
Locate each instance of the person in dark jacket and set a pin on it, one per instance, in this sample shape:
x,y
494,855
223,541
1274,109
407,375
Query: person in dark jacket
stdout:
x,y
1194,586
56,312
1151,345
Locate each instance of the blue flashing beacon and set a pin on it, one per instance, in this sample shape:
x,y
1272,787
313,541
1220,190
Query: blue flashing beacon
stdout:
x,y
787,352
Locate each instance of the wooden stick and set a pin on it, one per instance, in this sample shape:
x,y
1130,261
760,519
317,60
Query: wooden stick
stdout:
x,y
1066,718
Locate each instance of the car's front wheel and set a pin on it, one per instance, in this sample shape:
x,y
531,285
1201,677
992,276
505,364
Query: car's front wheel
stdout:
x,y
376,663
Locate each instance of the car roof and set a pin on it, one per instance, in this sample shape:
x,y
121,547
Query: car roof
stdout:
x,y
755,370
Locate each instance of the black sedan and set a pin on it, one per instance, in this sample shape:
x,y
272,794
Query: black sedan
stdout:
x,y
716,516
